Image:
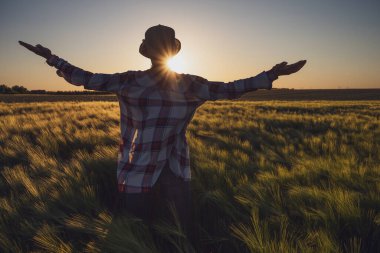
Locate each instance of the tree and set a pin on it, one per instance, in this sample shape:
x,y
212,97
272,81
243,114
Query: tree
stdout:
x,y
19,89
5,89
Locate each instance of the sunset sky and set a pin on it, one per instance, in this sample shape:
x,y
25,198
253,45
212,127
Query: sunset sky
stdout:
x,y
221,40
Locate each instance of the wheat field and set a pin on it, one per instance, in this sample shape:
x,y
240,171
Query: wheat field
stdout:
x,y
267,177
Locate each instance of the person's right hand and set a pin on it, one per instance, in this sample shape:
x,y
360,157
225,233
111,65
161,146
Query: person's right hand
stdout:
x,y
39,50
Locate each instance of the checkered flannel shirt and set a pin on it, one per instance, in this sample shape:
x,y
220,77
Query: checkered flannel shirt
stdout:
x,y
155,111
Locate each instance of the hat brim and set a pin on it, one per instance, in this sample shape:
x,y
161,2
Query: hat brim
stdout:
x,y
143,48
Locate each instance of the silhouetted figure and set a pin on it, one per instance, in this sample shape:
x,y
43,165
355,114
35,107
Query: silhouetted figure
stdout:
x,y
156,106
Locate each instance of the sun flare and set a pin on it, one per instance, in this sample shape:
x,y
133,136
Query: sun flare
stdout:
x,y
177,64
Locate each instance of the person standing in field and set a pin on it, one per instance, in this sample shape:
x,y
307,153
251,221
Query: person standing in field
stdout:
x,y
156,106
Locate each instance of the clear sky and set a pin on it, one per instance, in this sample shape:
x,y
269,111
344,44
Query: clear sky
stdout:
x,y
221,40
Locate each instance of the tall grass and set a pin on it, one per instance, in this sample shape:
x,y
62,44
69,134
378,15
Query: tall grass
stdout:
x,y
267,177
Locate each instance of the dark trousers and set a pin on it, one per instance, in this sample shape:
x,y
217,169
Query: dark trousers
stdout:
x,y
169,192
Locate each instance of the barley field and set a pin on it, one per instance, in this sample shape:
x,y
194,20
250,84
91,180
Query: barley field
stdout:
x,y
267,177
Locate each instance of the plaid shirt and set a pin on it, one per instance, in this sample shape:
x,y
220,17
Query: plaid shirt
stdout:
x,y
155,110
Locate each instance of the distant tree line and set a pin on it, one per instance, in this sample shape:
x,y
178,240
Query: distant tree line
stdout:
x,y
18,89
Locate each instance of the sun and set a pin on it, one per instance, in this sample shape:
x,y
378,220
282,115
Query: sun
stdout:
x,y
177,64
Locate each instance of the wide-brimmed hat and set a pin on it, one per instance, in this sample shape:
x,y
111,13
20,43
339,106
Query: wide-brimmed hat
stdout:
x,y
160,38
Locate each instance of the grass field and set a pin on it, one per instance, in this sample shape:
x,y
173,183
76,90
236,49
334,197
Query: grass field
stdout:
x,y
267,177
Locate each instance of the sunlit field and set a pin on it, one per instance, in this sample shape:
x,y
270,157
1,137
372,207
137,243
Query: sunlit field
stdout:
x,y
267,177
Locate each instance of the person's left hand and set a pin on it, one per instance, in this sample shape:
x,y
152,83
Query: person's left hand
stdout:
x,y
283,68
39,50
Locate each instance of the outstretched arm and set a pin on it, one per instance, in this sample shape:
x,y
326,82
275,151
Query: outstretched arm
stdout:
x,y
78,76
207,90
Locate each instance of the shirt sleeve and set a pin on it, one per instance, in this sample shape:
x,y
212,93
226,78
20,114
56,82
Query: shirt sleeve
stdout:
x,y
207,90
90,81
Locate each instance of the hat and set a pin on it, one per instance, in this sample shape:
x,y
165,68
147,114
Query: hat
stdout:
x,y
160,38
